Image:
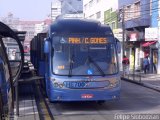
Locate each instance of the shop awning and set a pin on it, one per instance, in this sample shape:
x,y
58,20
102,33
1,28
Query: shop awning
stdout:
x,y
147,44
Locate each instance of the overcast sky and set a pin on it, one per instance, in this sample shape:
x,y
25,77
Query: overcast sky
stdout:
x,y
26,9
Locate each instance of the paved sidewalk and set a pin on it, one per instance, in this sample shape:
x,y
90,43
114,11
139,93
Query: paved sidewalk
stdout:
x,y
27,103
148,80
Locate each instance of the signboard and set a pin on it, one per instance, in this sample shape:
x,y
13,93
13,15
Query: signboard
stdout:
x,y
151,34
133,36
118,34
94,40
12,53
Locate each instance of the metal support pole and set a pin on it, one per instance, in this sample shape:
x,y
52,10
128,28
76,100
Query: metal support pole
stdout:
x,y
134,48
17,98
151,60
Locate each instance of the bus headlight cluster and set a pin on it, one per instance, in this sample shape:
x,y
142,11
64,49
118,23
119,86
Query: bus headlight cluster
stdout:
x,y
58,85
113,83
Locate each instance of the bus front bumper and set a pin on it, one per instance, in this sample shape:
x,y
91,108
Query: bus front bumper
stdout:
x,y
84,95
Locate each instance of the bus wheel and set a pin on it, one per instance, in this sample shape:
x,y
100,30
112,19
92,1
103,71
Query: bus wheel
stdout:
x,y
101,102
45,89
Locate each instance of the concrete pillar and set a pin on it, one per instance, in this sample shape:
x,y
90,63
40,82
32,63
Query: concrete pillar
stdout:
x,y
158,67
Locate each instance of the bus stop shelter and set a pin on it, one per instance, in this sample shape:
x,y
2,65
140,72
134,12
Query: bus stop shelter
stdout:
x,y
6,31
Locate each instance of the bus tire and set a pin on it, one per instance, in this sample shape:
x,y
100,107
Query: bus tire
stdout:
x,y
45,89
101,102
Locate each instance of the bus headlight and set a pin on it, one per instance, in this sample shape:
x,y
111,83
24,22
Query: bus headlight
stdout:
x,y
57,84
113,82
112,85
61,85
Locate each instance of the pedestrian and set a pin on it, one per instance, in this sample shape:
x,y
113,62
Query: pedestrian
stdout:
x,y
155,63
125,63
146,64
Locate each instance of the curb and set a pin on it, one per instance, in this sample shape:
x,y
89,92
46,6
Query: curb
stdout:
x,y
142,84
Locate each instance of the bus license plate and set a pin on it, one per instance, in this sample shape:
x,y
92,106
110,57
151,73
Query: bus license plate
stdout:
x,y
75,84
87,96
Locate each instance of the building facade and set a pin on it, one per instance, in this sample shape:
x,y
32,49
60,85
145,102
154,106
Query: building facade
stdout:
x,y
55,9
111,18
95,9
136,16
66,9
72,6
30,28
11,21
10,43
39,27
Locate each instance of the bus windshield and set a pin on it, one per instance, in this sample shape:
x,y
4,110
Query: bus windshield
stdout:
x,y
74,59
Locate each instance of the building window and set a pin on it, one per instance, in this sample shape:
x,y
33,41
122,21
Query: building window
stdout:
x,y
137,9
91,3
85,6
128,12
113,25
98,1
98,14
54,8
91,17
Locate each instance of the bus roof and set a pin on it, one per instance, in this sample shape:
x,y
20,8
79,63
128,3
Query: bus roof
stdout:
x,y
79,26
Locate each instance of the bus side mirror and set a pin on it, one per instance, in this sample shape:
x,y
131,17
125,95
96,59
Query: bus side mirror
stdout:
x,y
118,45
46,46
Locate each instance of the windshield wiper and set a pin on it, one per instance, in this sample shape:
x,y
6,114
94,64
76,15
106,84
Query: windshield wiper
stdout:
x,y
71,65
97,66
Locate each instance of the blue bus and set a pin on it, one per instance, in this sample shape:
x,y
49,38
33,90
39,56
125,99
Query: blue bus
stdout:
x,y
81,61
37,52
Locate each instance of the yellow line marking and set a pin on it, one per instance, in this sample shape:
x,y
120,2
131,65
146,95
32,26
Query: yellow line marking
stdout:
x,y
42,105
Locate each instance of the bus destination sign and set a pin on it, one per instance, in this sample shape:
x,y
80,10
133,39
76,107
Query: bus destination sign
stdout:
x,y
93,40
